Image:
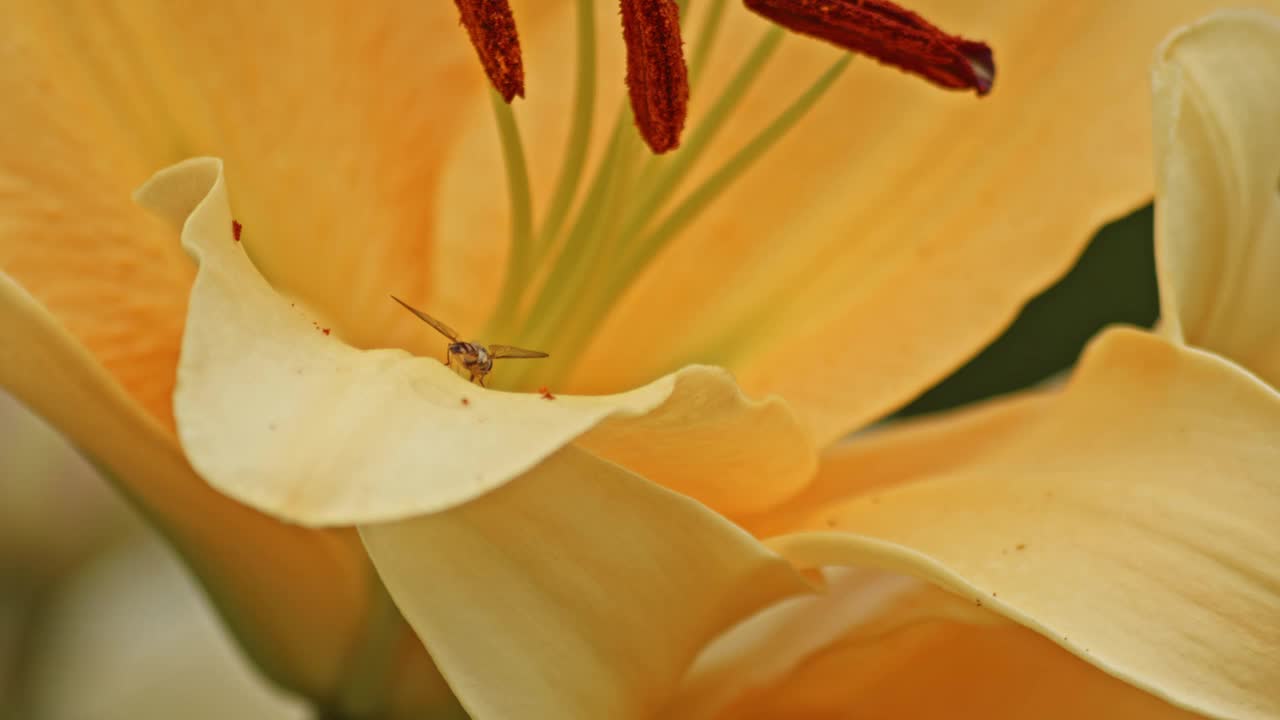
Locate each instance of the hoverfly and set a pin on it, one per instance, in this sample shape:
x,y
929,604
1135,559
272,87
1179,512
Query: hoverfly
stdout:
x,y
477,359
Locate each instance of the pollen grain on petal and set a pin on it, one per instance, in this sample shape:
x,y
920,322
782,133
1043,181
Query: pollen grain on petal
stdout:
x,y
891,34
492,28
657,78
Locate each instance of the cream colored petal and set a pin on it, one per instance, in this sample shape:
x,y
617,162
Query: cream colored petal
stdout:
x,y
296,598
288,418
1132,523
949,670
1217,110
577,591
896,230
99,95
775,647
891,455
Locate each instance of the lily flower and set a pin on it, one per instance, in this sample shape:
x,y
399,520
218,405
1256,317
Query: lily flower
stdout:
x,y
575,552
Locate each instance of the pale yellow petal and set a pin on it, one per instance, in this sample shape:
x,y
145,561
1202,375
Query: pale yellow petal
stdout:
x,y
577,591
1132,523
949,670
1217,110
896,230
774,648
277,412
891,455
99,95
298,607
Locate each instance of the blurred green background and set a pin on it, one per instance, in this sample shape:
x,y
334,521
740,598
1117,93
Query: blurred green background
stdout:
x,y
1114,281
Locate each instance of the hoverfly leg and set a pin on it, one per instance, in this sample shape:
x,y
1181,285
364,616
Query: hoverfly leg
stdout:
x,y
448,358
480,380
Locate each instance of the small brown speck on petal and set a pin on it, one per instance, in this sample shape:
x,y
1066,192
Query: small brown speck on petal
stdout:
x,y
492,28
657,78
891,34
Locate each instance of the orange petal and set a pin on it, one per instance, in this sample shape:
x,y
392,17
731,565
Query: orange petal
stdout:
x,y
100,95
578,590
896,230
1131,522
1217,88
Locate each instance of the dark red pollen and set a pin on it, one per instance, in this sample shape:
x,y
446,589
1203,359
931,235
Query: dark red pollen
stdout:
x,y
656,75
324,330
545,393
891,34
492,28
236,227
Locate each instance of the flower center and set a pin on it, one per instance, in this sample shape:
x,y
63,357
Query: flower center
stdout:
x,y
566,273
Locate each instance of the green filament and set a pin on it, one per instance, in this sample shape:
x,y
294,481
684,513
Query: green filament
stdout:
x,y
706,40
658,187
625,270
698,200
520,261
563,281
575,155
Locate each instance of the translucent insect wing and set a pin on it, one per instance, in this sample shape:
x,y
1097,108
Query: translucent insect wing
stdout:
x,y
507,351
441,327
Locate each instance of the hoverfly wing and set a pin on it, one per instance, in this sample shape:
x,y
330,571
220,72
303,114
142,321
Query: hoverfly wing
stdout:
x,y
444,330
507,351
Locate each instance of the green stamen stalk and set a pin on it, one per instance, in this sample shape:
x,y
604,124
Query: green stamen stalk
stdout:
x,y
702,197
626,269
706,40
654,192
575,156
562,282
520,262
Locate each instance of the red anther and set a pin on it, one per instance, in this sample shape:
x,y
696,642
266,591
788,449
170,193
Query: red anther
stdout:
x,y
891,34
656,75
545,393
236,227
465,402
324,330
492,28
